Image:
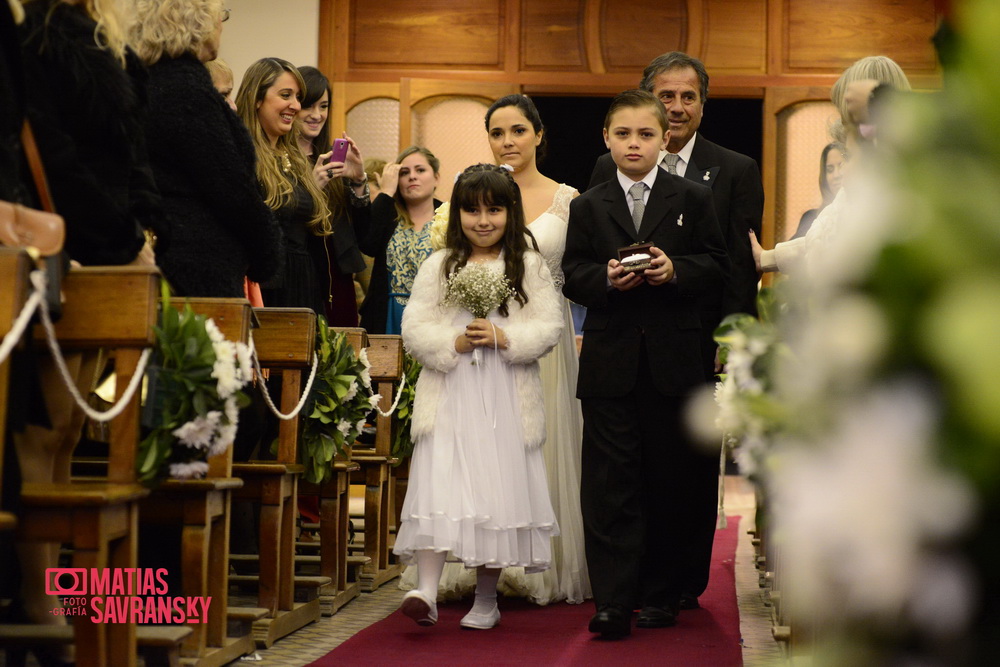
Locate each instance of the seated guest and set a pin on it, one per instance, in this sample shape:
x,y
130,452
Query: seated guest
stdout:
x,y
831,164
347,198
865,74
398,237
218,229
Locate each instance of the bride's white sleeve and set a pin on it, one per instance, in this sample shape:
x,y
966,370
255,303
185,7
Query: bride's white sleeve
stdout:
x,y
428,332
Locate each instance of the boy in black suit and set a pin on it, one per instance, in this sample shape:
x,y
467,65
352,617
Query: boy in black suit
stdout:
x,y
641,357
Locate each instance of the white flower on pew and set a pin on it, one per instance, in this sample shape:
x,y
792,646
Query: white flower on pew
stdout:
x,y
189,470
245,360
861,513
199,432
344,427
352,391
374,399
365,375
360,425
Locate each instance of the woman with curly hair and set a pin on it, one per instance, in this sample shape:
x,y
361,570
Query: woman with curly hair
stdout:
x,y
217,228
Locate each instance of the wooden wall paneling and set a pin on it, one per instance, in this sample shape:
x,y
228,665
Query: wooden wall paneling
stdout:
x,y
777,99
824,36
333,38
552,35
735,36
440,34
635,32
347,95
697,28
592,14
413,91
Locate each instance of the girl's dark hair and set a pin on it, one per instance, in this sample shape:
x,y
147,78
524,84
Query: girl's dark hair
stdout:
x,y
493,186
316,84
530,111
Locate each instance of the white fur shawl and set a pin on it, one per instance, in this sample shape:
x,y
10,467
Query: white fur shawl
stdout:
x,y
532,330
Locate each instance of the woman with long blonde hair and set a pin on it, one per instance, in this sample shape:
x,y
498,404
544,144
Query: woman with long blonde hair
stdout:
x,y
268,102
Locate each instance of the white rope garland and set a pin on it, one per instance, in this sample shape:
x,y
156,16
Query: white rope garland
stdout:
x,y
38,279
395,404
21,323
267,396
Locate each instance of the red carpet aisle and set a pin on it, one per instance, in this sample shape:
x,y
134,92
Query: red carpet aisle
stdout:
x,y
557,634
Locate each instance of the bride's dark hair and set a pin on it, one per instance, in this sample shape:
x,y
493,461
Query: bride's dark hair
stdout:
x,y
490,185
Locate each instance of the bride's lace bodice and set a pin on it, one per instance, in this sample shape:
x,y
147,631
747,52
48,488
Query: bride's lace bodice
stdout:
x,y
549,230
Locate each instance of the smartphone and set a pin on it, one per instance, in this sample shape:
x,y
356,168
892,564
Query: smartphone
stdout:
x,y
340,147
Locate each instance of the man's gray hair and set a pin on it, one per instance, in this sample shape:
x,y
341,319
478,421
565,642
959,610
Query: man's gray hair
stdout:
x,y
674,60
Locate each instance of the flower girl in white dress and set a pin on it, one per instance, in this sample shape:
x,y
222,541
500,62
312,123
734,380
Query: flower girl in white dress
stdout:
x,y
477,475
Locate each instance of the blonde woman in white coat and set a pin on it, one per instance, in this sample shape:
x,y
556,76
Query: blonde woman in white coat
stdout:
x,y
477,477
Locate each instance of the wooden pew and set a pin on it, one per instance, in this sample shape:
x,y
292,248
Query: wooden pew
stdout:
x,y
114,308
335,521
202,507
14,288
385,353
285,344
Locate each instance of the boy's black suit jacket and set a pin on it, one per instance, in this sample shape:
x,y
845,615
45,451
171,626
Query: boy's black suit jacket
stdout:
x,y
679,219
739,204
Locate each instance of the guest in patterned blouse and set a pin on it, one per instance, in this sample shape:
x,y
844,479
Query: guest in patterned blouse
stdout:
x,y
398,236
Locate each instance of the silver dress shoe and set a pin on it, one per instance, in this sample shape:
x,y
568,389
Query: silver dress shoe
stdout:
x,y
477,621
420,608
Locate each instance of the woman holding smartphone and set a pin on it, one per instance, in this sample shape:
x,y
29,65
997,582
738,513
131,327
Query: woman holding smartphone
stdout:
x,y
347,195
398,237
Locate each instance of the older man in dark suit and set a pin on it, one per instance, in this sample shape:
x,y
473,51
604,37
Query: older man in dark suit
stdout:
x,y
680,82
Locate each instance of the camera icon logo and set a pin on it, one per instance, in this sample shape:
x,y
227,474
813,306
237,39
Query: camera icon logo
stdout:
x,y
66,581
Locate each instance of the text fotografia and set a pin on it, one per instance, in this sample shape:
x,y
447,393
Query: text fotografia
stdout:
x,y
122,595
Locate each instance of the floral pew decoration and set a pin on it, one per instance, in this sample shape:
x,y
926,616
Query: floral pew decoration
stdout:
x,y
338,406
194,394
402,443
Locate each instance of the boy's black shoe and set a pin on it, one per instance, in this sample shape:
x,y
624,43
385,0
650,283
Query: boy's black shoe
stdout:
x,y
655,617
612,622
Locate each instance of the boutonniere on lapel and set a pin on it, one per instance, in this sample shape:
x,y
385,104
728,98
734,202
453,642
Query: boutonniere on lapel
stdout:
x,y
680,220
707,176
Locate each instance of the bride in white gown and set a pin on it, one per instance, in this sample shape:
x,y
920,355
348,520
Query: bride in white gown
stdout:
x,y
516,136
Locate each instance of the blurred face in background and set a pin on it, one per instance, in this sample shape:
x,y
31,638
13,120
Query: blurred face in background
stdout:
x,y
834,170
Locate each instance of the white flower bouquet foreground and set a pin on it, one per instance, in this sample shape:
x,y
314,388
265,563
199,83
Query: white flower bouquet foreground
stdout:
x,y
478,288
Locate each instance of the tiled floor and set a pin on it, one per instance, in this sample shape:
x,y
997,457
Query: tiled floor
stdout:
x,y
760,649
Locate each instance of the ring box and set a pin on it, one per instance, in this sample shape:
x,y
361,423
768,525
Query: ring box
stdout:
x,y
636,257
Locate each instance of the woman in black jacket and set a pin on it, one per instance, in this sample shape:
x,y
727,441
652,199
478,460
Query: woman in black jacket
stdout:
x,y
85,99
348,198
217,228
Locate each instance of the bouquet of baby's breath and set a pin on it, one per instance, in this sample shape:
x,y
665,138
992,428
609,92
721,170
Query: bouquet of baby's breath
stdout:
x,y
478,288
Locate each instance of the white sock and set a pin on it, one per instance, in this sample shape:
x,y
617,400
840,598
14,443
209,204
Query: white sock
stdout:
x,y
486,590
430,564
